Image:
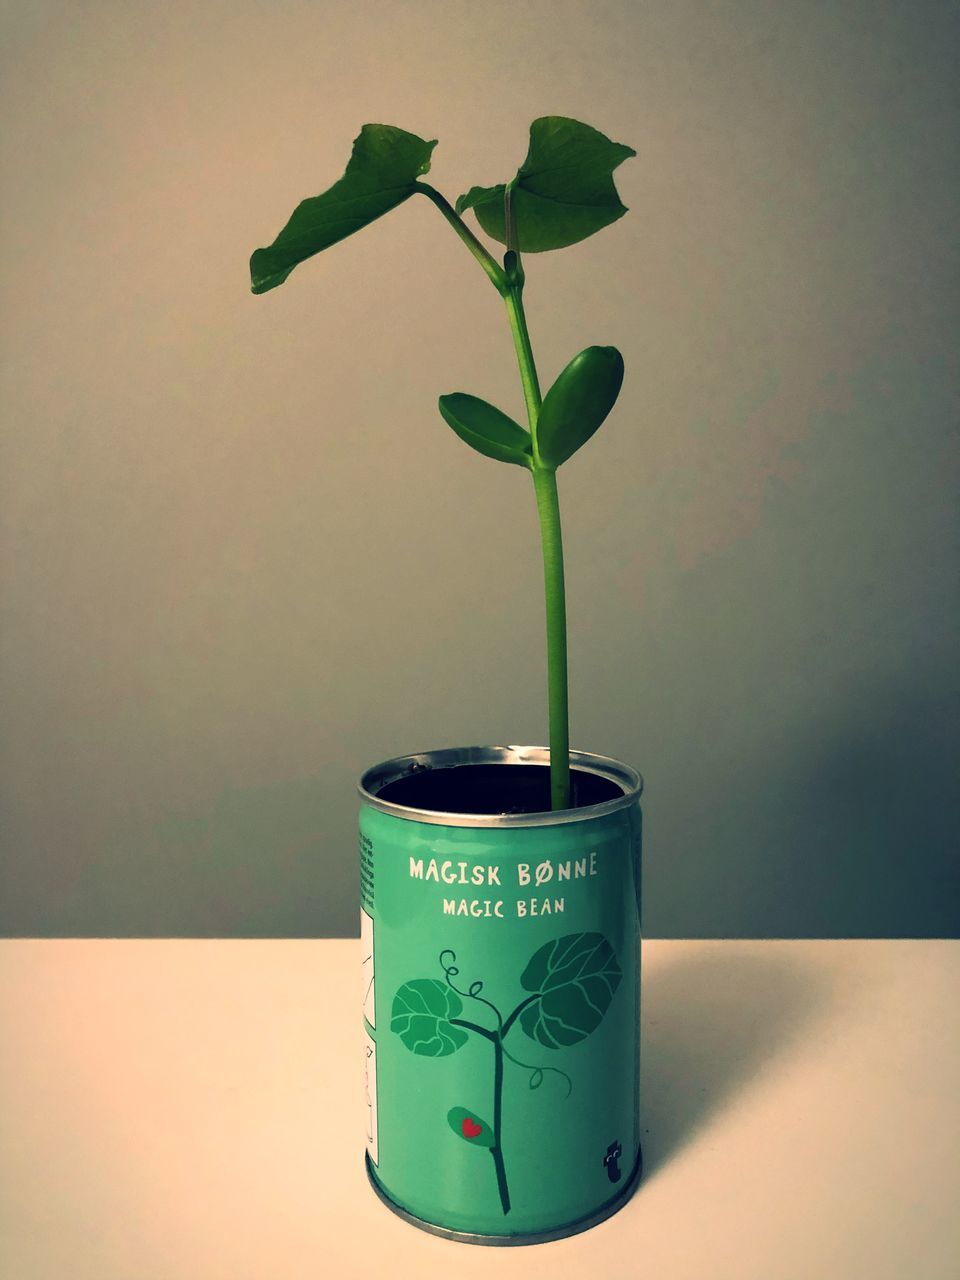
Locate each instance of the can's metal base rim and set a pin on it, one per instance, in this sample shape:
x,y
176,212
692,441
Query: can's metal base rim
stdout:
x,y
606,1210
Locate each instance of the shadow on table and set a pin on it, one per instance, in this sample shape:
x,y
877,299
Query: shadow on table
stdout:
x,y
712,1022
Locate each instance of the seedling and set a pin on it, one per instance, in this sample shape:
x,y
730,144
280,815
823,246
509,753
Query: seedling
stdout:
x,y
561,194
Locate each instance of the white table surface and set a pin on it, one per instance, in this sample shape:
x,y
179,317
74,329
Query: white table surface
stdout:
x,y
192,1110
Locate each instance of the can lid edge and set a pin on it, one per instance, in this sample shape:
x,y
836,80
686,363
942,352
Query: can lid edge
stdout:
x,y
380,775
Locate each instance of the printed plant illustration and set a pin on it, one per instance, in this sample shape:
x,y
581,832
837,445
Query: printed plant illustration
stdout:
x,y
571,981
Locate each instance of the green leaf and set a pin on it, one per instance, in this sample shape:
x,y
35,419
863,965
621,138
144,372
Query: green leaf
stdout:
x,y
564,189
575,977
578,402
421,1014
468,1125
486,429
382,173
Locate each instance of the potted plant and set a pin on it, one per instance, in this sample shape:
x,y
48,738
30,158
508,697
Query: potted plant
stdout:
x,y
500,886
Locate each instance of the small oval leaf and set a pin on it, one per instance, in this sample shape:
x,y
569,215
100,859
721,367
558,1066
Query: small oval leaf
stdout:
x,y
578,402
486,428
421,1017
575,977
468,1125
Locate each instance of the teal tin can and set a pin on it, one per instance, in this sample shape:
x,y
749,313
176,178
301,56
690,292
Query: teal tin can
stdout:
x,y
500,949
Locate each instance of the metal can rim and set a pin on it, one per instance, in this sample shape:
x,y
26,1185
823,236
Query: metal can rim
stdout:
x,y
387,771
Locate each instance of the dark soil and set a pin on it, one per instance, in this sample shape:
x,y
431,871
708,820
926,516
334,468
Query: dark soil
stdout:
x,y
494,788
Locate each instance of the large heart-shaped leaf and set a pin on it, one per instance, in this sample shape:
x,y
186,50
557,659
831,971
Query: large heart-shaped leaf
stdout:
x,y
575,977
381,174
578,402
421,1017
486,429
468,1125
564,190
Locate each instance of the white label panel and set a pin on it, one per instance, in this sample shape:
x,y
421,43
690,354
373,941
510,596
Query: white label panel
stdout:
x,y
370,1095
366,967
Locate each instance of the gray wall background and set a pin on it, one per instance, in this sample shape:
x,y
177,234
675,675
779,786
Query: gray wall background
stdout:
x,y
244,559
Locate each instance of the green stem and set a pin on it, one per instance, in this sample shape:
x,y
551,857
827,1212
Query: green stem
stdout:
x,y
482,255
508,281
528,369
548,509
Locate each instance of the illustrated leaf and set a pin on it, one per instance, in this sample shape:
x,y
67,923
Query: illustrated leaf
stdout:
x,y
421,1017
578,402
468,1125
575,977
486,429
564,189
381,174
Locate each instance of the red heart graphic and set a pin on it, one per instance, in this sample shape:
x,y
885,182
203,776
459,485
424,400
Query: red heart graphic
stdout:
x,y
470,1128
